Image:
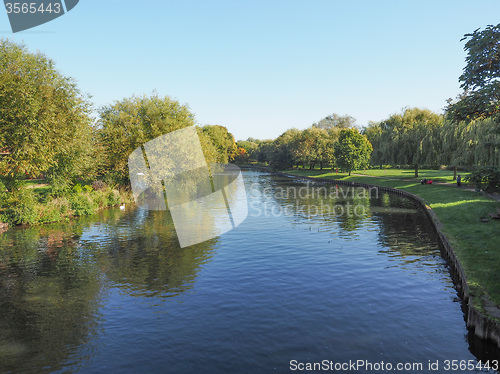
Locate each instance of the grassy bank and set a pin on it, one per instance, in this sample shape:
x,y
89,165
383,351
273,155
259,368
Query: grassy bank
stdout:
x,y
460,211
37,202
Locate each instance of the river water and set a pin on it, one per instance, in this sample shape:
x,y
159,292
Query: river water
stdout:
x,y
315,275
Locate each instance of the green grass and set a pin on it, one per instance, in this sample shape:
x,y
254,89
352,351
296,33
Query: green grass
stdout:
x,y
435,175
476,243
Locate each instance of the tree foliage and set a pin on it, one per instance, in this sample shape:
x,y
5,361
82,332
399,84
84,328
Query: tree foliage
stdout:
x,y
44,119
352,150
223,141
480,78
410,138
131,122
335,120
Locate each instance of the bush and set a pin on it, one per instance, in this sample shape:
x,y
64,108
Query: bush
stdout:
x,y
23,207
486,178
113,198
82,205
77,188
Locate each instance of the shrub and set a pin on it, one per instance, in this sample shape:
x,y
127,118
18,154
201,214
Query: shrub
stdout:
x,y
82,205
23,207
113,198
77,188
486,178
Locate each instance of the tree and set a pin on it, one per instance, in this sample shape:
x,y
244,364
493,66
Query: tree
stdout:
x,y
312,147
241,156
352,150
373,133
480,78
411,138
335,120
223,141
44,119
250,148
281,152
131,122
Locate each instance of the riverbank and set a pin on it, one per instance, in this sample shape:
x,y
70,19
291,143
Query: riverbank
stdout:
x,y
469,243
34,206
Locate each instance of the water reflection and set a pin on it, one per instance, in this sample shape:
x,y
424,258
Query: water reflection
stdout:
x,y
53,280
49,299
141,254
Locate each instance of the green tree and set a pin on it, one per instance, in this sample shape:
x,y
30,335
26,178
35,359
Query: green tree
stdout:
x,y
411,138
373,133
314,146
480,78
45,126
281,151
223,141
352,150
131,122
250,148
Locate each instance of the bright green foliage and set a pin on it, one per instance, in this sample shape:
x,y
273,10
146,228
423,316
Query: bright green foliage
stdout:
x,y
352,150
44,121
223,141
128,124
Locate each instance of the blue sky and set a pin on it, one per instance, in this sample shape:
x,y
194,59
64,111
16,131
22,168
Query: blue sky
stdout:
x,y
261,67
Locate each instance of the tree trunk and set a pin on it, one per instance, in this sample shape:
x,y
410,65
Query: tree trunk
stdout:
x,y
454,173
416,170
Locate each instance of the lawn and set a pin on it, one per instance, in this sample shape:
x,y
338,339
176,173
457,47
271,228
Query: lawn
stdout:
x,y
476,243
435,175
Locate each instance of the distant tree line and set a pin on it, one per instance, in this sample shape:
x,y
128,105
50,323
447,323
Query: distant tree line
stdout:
x,y
466,135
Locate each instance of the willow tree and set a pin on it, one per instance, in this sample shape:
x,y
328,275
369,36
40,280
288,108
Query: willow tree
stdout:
x,y
412,138
473,120
45,126
373,133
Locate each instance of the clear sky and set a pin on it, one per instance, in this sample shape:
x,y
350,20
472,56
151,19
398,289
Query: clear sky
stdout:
x,y
261,67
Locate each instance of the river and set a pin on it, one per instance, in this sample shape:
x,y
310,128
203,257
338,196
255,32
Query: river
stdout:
x,y
316,275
